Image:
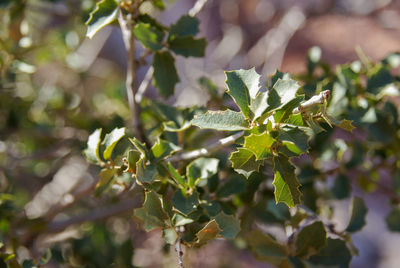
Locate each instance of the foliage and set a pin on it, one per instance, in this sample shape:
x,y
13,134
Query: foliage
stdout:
x,y
276,143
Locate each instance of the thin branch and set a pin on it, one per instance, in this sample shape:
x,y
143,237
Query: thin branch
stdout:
x,y
208,150
99,214
198,6
126,23
314,100
178,249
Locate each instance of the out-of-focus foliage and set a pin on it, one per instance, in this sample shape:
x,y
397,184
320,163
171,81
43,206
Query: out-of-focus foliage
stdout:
x,y
280,152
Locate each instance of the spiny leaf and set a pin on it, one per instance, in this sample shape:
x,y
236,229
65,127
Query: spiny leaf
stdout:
x,y
229,225
188,46
335,253
162,149
170,235
295,139
285,111
244,162
175,174
259,144
111,140
133,157
105,12
200,169
266,248
185,204
150,36
152,214
285,182
358,214
105,177
92,151
310,239
221,120
185,26
243,85
209,232
165,74
259,104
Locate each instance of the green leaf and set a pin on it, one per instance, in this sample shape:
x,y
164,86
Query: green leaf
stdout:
x,y
92,151
295,139
393,220
185,26
105,12
175,174
201,169
188,46
358,214
244,162
221,120
259,104
335,253
286,89
259,144
133,157
158,4
180,220
378,77
235,184
229,225
162,149
110,140
310,239
209,232
185,204
243,85
341,187
170,235
105,178
285,182
149,36
145,173
165,75
152,214
145,18
286,110
266,248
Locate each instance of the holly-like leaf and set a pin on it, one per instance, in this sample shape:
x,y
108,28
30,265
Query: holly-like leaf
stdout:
x,y
259,104
243,85
185,204
145,173
259,144
110,140
286,89
285,182
334,254
92,152
221,120
310,239
188,46
152,214
244,162
185,26
165,74
209,232
229,225
358,214
266,248
170,235
286,110
149,36
200,169
105,13
132,159
295,139
105,178
162,149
